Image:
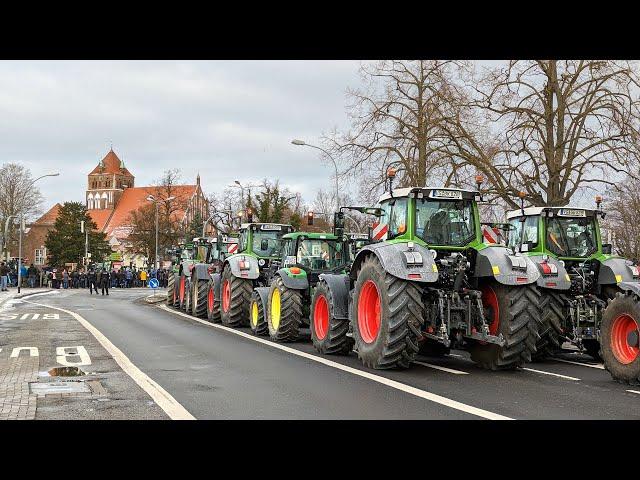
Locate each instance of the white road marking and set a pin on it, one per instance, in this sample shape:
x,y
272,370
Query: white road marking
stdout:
x,y
170,405
444,369
597,365
634,391
447,402
78,351
33,351
552,374
456,355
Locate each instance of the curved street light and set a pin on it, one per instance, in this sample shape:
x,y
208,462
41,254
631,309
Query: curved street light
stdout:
x,y
302,143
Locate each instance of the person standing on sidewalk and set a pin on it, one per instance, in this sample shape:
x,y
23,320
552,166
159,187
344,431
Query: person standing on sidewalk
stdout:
x,y
105,280
143,278
31,274
65,279
91,281
4,273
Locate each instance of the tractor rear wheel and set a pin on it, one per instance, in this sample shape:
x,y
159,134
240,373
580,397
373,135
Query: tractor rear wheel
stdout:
x,y
186,303
182,292
329,334
171,290
554,314
284,312
387,312
512,311
213,304
199,300
236,297
620,338
258,319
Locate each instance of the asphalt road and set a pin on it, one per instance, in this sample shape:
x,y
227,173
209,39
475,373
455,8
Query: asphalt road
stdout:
x,y
218,373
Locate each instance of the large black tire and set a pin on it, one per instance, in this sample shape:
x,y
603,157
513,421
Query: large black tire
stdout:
x,y
199,300
213,304
553,310
284,312
186,303
258,319
395,306
621,358
519,320
431,348
239,299
183,292
171,290
328,334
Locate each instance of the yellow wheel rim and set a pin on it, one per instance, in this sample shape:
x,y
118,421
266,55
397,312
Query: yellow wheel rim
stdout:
x,y
254,314
275,309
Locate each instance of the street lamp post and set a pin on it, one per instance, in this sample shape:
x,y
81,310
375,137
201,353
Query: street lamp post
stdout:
x,y
335,165
151,198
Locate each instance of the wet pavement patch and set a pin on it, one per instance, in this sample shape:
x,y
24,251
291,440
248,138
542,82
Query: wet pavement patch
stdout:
x,y
57,388
65,372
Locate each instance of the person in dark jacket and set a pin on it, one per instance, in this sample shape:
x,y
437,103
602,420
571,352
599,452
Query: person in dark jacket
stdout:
x,y
4,274
92,281
105,280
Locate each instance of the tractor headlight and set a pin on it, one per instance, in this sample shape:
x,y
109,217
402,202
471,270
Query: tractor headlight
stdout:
x,y
434,254
261,262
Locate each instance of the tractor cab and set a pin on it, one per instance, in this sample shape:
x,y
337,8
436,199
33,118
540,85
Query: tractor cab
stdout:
x,y
315,253
262,241
440,218
356,241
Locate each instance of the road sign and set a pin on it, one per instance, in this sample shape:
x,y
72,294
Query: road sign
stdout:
x,y
153,283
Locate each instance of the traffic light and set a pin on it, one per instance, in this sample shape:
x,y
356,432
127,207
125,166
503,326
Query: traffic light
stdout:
x,y
310,218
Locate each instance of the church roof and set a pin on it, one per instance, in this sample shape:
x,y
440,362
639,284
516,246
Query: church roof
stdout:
x,y
111,163
50,217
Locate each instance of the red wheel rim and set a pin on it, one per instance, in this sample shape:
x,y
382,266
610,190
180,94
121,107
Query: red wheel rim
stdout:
x,y
369,312
321,317
182,289
492,309
623,327
210,300
226,295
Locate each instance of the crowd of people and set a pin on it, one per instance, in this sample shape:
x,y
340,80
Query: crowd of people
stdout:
x,y
93,277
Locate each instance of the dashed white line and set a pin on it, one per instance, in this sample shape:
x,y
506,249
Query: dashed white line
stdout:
x,y
163,399
552,374
634,391
456,355
444,369
376,378
590,365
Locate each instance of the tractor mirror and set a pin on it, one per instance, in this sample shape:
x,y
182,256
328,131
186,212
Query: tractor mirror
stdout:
x,y
264,244
607,248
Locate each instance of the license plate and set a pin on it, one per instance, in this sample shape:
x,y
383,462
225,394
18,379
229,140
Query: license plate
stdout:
x,y
448,194
571,212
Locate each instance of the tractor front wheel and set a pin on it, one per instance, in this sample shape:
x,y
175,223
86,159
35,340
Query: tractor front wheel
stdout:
x,y
236,297
329,334
213,304
258,319
171,290
387,312
284,313
199,300
186,303
512,311
620,338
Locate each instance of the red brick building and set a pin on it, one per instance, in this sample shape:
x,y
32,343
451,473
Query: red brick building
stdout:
x,y
111,196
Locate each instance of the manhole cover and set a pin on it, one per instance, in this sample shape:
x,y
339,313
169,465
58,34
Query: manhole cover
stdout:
x,y
52,388
65,372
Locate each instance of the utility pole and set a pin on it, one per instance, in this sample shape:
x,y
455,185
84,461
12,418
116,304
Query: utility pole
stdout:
x,y
21,226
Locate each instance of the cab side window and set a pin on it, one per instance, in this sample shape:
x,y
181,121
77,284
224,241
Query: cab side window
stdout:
x,y
395,216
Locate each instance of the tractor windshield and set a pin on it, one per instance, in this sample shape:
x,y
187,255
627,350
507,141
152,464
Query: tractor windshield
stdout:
x,y
445,222
267,243
571,237
318,254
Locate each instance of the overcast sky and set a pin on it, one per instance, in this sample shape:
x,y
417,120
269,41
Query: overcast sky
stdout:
x,y
225,119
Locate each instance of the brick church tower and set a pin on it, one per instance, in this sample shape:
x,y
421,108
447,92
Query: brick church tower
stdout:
x,y
107,182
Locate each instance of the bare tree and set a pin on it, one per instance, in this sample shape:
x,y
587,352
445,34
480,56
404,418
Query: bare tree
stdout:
x,y
395,120
623,218
545,127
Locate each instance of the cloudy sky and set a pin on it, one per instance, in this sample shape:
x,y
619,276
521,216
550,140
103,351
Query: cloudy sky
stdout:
x,y
226,120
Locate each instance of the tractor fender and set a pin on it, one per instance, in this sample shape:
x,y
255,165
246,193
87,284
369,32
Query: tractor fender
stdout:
x,y
615,270
339,287
264,296
507,268
559,281
630,287
300,282
200,272
233,262
216,279
393,257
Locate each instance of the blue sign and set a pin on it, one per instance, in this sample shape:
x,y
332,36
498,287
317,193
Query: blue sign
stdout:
x,y
153,283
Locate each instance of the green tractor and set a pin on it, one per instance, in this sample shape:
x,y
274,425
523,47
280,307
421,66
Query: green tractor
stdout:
x,y
579,276
249,266
188,258
429,283
175,253
281,308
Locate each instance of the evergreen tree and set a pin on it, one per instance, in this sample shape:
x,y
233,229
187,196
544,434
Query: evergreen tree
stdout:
x,y
65,243
195,228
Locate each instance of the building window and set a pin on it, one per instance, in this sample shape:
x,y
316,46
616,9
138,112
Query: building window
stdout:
x,y
39,256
